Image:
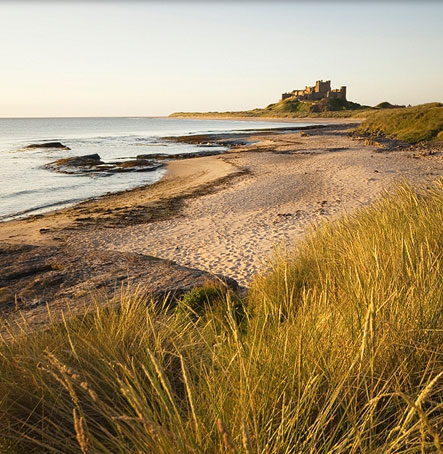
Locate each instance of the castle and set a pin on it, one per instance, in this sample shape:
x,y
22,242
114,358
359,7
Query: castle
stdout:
x,y
319,91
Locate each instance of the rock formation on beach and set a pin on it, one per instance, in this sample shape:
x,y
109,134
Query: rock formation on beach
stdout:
x,y
92,163
35,276
57,145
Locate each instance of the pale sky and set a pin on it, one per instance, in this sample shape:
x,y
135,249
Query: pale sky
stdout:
x,y
123,58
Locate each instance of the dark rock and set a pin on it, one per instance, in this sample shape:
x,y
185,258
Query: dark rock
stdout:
x,y
76,164
58,145
93,163
78,161
60,279
231,140
195,154
135,165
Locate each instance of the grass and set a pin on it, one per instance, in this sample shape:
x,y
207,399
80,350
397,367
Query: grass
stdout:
x,y
326,108
411,124
339,349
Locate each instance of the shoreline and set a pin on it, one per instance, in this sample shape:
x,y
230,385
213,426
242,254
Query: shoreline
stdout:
x,y
320,120
223,139
213,138
223,214
184,176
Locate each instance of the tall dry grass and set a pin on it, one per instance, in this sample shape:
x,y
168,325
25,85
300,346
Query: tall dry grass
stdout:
x,y
339,349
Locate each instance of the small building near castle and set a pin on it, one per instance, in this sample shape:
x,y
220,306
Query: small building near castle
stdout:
x,y
319,91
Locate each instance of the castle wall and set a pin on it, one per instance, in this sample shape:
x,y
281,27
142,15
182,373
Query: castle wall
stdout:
x,y
338,93
319,91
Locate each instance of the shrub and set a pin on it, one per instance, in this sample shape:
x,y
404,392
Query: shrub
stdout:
x,y
211,300
199,299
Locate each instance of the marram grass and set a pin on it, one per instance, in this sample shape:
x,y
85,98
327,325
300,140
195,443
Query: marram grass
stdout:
x,y
339,350
411,124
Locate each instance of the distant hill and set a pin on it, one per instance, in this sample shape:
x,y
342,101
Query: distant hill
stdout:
x,y
387,105
309,107
292,108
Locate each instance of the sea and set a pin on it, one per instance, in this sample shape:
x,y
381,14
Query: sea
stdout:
x,y
28,188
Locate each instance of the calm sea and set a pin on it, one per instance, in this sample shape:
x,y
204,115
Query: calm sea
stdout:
x,y
28,188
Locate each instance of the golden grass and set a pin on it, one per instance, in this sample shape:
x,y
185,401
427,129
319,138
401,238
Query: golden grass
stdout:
x,y
339,350
411,124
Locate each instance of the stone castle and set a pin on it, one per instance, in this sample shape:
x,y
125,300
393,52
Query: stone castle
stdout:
x,y
319,91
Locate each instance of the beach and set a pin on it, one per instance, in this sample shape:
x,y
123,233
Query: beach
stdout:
x,y
298,182
218,218
227,214
221,227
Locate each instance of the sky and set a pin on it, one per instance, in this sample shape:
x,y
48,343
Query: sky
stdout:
x,y
147,58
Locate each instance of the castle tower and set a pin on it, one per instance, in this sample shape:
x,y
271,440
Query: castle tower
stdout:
x,y
322,87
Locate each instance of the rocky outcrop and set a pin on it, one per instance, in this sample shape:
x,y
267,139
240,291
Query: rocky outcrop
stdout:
x,y
219,139
170,157
92,163
58,145
88,160
136,165
37,278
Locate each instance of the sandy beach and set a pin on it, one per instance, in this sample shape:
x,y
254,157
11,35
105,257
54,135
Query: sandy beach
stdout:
x,y
305,180
226,214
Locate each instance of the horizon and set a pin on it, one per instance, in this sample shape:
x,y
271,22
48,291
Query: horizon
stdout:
x,y
146,59
167,116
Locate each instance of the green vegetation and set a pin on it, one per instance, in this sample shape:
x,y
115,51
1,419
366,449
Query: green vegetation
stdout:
x,y
411,124
306,108
340,350
291,109
201,299
386,105
209,298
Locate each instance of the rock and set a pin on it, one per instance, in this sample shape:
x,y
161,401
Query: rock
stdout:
x,y
195,154
78,164
63,280
93,163
79,161
58,145
136,165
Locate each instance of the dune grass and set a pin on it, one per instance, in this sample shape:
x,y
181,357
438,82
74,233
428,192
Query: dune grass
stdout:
x,y
411,124
339,349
